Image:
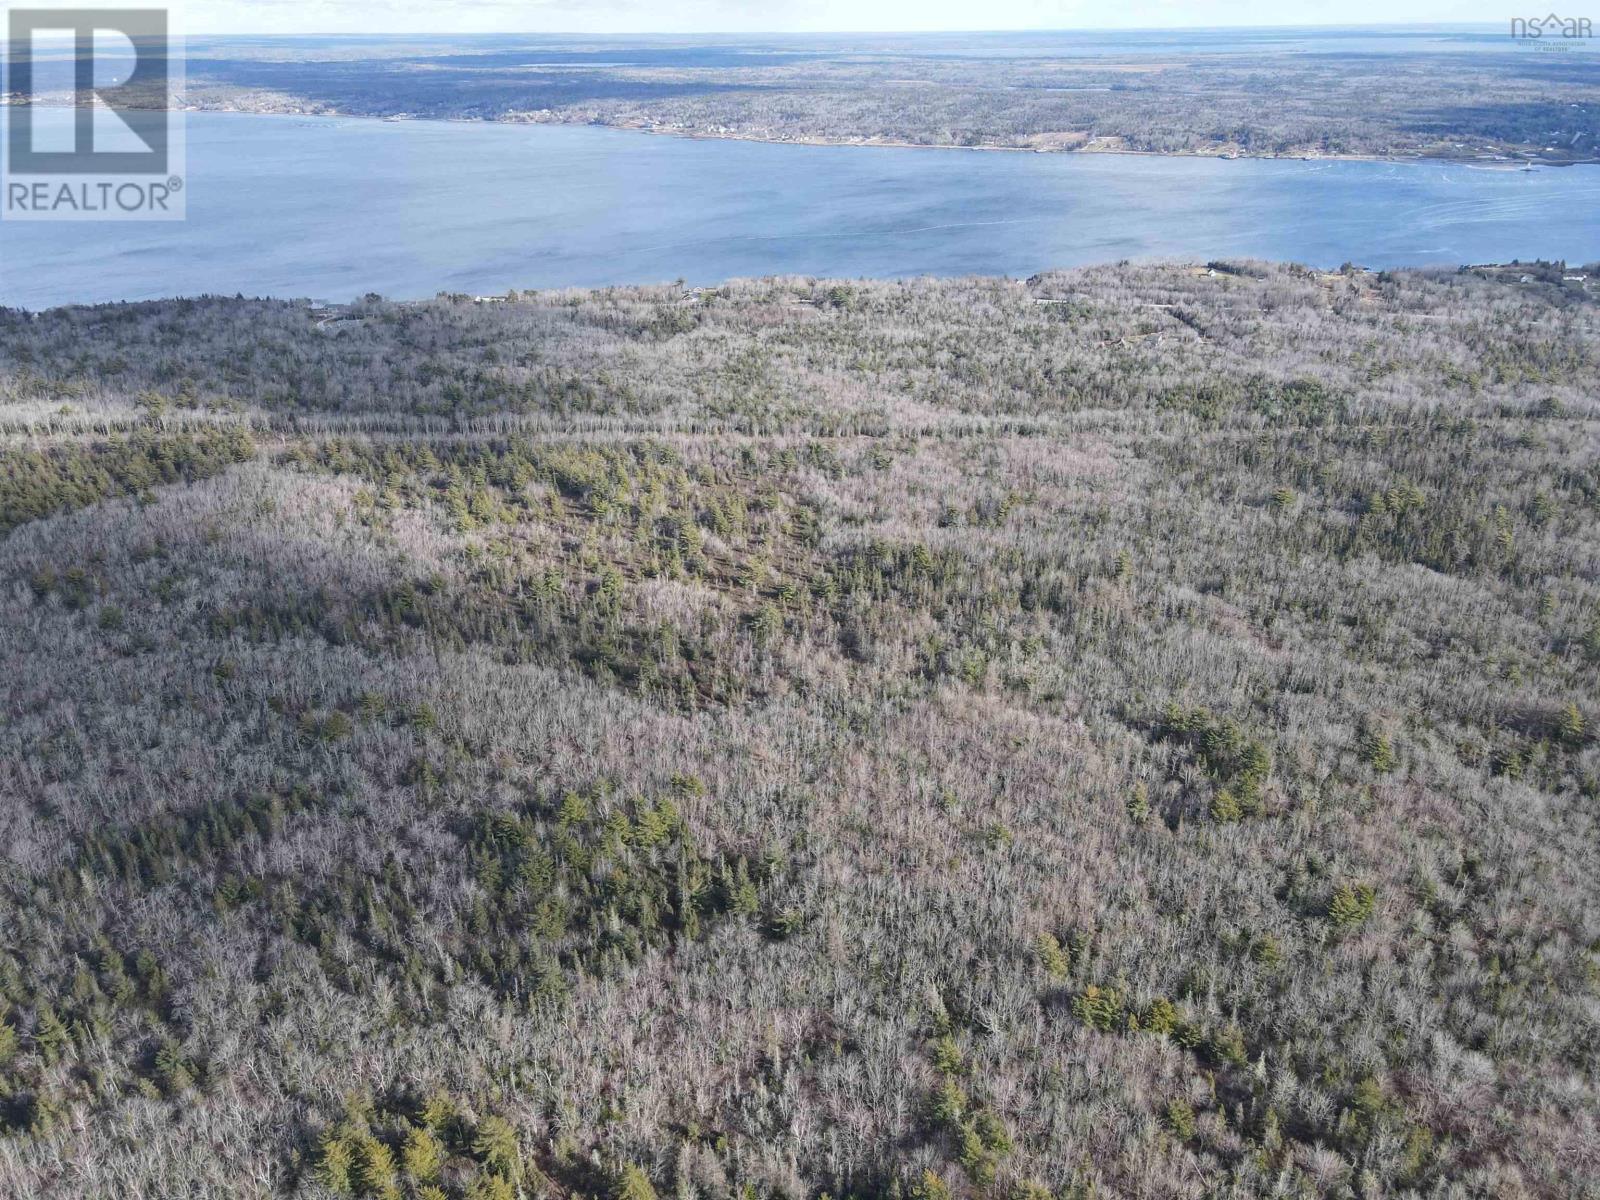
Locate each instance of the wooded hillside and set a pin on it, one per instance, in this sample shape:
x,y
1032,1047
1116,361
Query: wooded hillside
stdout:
x,y
1127,734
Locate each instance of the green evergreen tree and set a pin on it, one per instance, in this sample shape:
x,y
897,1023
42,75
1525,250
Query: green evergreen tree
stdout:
x,y
1351,905
1179,1118
422,1156
336,1164
375,1168
1377,751
1569,725
1055,961
496,1144
1139,804
633,1184
50,1035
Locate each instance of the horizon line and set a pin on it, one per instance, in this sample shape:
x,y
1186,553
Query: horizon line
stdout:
x,y
444,33
1380,25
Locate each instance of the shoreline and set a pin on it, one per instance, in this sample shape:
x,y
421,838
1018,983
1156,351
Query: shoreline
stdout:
x,y
328,312
1499,163
1486,161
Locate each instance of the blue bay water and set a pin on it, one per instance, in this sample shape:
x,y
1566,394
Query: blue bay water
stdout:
x,y
332,208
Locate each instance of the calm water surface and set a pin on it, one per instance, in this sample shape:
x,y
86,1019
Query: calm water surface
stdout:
x,y
330,209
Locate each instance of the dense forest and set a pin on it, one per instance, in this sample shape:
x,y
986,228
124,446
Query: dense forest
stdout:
x,y
1461,95
1128,733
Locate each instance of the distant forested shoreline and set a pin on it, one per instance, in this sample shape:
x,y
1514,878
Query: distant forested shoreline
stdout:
x,y
1453,94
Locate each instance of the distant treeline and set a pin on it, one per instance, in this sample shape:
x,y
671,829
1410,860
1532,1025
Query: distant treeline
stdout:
x,y
1289,96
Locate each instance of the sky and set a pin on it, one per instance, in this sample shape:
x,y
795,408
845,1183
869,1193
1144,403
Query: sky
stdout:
x,y
800,16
